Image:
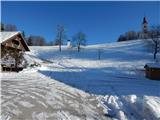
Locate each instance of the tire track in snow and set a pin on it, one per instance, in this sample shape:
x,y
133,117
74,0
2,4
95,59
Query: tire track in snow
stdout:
x,y
35,84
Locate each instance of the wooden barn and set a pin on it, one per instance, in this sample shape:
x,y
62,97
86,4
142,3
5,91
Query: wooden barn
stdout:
x,y
152,71
13,47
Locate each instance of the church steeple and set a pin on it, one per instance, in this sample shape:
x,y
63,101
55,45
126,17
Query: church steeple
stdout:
x,y
144,25
145,21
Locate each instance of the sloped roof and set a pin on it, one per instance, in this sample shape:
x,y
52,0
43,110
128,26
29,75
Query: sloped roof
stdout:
x,y
4,36
153,65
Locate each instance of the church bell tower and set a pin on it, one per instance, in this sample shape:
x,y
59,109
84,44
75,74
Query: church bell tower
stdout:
x,y
144,25
144,32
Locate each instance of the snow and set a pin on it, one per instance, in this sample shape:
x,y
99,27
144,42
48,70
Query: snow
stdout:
x,y
31,95
6,35
26,104
153,65
75,86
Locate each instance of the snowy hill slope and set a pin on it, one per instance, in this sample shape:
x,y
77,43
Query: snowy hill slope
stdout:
x,y
116,80
123,52
118,76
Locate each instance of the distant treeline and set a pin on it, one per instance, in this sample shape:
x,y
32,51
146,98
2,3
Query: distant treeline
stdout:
x,y
32,40
78,39
132,35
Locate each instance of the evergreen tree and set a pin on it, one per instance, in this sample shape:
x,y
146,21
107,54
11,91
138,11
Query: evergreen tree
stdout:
x,y
2,27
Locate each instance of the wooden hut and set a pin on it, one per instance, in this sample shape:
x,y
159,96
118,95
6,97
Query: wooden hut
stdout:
x,y
13,46
152,71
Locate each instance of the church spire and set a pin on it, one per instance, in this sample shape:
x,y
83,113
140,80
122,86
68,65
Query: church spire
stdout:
x,y
145,21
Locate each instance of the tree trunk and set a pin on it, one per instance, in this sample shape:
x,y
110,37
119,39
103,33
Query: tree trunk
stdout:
x,y
155,50
154,56
60,47
99,54
60,41
79,48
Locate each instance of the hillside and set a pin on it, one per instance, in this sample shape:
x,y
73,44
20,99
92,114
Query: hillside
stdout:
x,y
112,87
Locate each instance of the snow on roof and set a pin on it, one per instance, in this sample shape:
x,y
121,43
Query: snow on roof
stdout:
x,y
153,65
6,35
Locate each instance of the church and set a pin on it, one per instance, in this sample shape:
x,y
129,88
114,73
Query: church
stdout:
x,y
144,34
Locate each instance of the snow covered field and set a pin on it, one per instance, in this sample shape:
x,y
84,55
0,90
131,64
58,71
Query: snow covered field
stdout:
x,y
78,86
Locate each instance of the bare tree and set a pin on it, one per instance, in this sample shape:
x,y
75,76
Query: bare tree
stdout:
x,y
36,41
130,35
122,38
100,51
50,43
155,36
80,39
60,36
10,27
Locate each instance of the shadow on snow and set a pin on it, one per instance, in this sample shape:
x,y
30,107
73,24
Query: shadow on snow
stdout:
x,y
103,81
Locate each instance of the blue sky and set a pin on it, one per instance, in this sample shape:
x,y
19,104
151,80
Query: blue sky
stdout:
x,y
101,21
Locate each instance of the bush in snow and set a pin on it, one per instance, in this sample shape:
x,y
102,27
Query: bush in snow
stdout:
x,y
35,64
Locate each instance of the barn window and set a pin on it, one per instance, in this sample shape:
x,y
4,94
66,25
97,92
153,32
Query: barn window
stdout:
x,y
15,43
6,44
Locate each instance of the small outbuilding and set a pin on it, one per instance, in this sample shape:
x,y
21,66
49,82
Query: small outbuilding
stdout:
x,y
13,46
152,71
69,45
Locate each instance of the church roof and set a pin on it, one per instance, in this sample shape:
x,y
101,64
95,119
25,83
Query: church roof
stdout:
x,y
144,20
